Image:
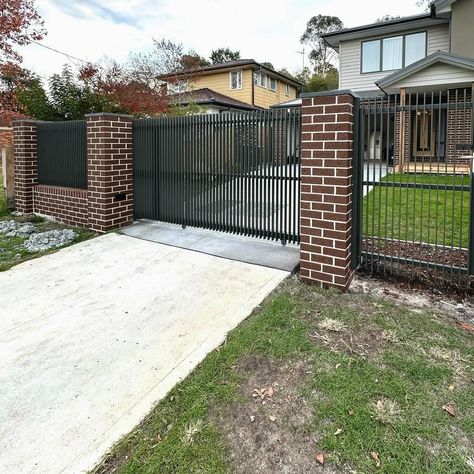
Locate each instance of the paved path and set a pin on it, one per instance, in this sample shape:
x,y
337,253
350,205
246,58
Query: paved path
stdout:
x,y
93,335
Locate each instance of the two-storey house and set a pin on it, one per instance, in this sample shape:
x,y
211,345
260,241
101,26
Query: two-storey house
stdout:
x,y
427,59
243,84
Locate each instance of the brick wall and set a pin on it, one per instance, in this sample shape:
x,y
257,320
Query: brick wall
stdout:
x,y
6,137
459,126
326,189
25,164
67,205
110,171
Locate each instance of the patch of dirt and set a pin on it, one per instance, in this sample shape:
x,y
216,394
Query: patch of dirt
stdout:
x,y
458,306
361,341
268,431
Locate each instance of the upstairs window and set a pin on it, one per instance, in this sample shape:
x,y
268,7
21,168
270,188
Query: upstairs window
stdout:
x,y
371,56
272,84
287,89
388,54
392,53
415,47
235,78
260,79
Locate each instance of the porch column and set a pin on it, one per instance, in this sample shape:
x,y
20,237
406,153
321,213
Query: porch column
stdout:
x,y
326,189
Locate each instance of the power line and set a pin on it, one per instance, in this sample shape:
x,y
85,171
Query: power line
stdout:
x,y
69,56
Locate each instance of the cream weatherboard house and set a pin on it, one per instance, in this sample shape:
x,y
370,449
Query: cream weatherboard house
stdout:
x,y
422,67
243,84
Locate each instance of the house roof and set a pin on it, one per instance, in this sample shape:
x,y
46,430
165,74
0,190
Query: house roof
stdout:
x,y
438,57
237,64
397,25
207,96
289,103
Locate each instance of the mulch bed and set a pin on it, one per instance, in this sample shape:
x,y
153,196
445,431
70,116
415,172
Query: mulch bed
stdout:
x,y
441,279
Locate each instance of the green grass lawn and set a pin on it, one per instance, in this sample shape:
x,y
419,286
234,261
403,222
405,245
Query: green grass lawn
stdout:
x,y
431,216
357,379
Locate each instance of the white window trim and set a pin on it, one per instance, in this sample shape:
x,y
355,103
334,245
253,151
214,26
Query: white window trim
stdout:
x,y
269,84
230,80
287,90
260,74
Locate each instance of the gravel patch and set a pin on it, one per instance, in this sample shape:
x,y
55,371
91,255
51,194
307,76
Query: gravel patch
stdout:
x,y
49,240
17,229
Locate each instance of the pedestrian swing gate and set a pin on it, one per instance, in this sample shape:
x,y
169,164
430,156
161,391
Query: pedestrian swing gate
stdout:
x,y
236,172
413,186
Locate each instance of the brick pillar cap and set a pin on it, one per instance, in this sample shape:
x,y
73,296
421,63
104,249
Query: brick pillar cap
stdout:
x,y
337,92
108,114
24,120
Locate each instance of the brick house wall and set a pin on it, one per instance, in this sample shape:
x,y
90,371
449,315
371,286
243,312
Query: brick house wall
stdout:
x,y
6,137
459,127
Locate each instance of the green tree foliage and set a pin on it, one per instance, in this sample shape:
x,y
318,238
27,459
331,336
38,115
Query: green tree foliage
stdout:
x,y
387,18
318,82
321,55
224,55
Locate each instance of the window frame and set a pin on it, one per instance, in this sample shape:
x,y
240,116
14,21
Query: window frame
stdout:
x,y
239,71
261,75
380,41
270,79
287,90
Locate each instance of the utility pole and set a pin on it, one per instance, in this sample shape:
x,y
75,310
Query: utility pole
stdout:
x,y
302,54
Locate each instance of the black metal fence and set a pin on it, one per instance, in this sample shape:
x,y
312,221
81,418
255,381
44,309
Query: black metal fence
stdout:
x,y
413,186
235,172
62,153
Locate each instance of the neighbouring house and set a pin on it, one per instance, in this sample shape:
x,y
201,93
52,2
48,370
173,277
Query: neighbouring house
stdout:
x,y
209,101
420,66
232,85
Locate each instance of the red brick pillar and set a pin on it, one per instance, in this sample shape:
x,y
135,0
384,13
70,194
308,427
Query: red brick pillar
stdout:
x,y
109,171
326,189
25,163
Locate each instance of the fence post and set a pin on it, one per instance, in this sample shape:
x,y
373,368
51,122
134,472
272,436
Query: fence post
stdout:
x,y
326,188
109,171
25,163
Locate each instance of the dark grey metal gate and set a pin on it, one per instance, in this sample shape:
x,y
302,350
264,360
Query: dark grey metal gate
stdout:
x,y
413,186
234,172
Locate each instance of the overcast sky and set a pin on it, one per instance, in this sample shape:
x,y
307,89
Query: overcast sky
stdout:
x,y
265,30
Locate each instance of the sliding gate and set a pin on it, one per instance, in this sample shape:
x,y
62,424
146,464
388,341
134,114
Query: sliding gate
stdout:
x,y
413,186
232,172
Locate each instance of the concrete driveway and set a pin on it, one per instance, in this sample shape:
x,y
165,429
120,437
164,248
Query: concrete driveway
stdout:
x,y
91,337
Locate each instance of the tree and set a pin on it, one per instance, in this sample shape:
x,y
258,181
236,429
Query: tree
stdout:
x,y
321,54
426,4
192,60
268,65
319,83
20,24
387,18
224,55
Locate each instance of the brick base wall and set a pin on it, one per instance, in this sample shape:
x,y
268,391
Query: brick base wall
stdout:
x,y
66,205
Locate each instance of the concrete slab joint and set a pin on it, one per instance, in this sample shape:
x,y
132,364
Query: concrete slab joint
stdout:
x,y
326,189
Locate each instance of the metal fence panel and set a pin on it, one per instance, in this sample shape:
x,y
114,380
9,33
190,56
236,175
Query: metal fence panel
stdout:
x,y
234,172
415,192
62,153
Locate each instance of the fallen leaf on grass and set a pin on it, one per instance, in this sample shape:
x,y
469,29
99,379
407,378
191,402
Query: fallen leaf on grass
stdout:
x,y
448,408
376,458
338,432
272,418
466,326
451,388
338,365
263,392
320,458
269,392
